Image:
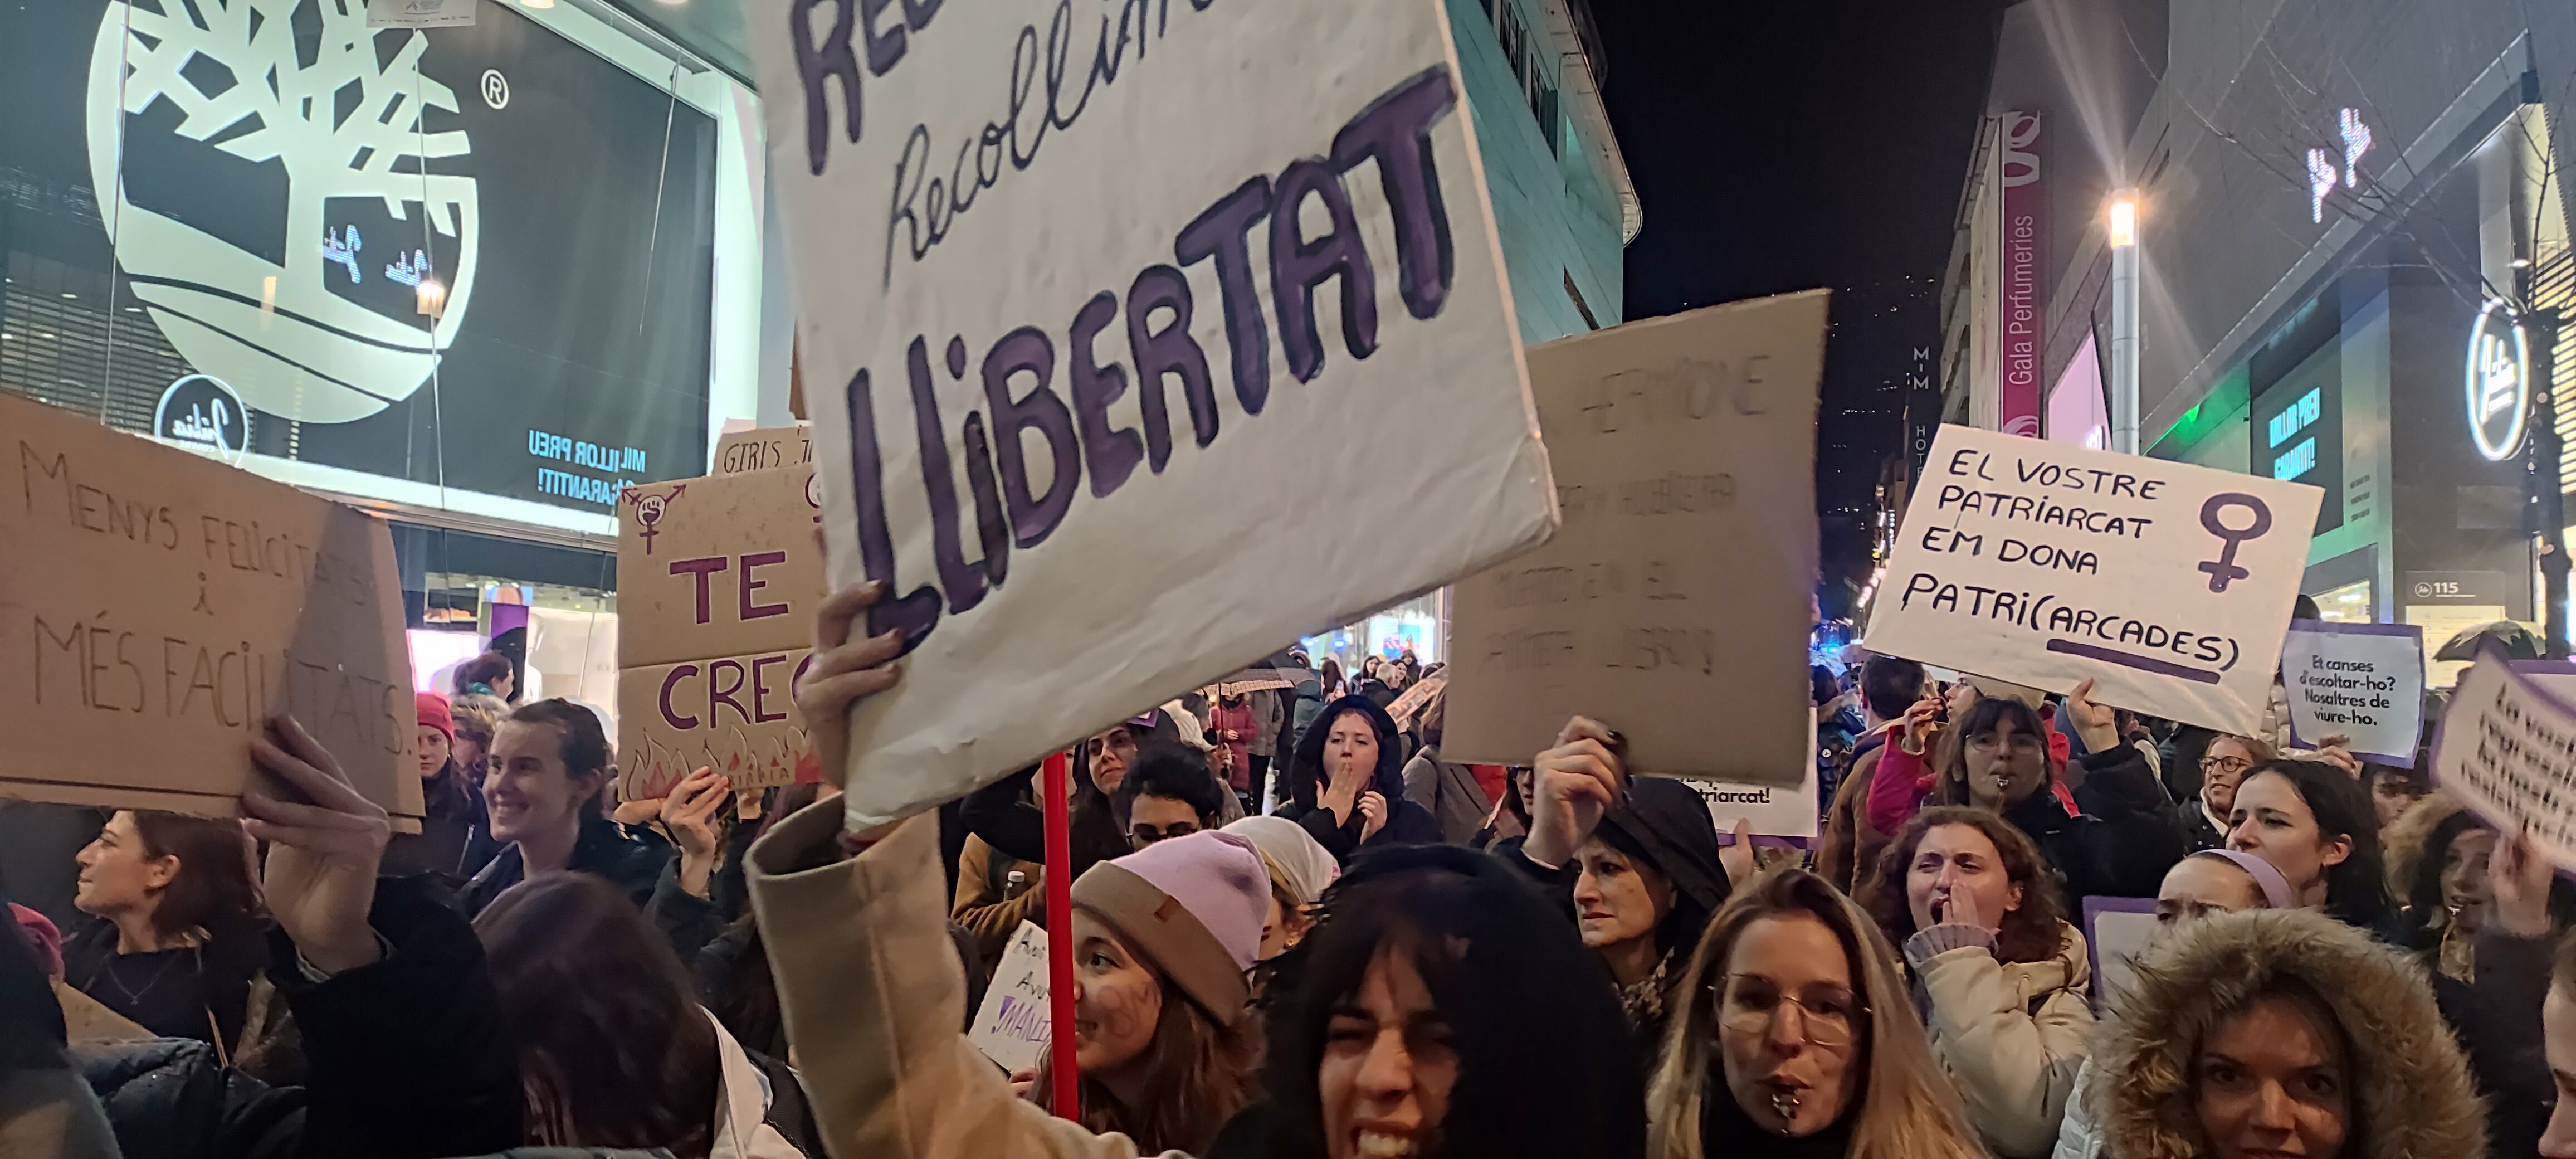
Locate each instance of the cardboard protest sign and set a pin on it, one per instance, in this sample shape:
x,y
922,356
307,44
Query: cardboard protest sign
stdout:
x,y
1073,349
1674,603
763,449
2363,681
2116,931
2507,750
157,607
2047,564
1011,1027
717,579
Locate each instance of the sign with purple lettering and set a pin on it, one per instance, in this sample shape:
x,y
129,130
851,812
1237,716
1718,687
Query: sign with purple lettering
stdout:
x,y
716,584
1082,287
1011,1027
2048,564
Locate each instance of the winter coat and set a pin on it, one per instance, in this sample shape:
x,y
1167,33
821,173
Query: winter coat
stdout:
x,y
452,813
1847,853
2011,1035
760,1109
2410,1088
1005,816
980,907
602,851
1269,716
875,1003
1449,793
2199,830
410,1057
1239,719
1406,822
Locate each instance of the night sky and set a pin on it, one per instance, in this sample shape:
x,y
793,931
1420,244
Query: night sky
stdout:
x,y
1782,147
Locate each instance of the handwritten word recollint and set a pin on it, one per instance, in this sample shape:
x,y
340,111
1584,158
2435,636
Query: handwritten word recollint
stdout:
x,y
1022,369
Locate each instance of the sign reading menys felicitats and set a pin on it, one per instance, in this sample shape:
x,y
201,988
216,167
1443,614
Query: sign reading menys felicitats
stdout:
x,y
1119,330
2047,564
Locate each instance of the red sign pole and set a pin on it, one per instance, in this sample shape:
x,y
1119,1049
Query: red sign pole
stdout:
x,y
1059,914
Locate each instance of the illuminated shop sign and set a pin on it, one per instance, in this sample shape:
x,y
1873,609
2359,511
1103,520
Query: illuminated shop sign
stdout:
x,y
2499,384
2323,176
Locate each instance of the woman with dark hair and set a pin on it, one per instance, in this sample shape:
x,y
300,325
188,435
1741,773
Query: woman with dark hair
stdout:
x,y
1645,885
1334,686
1430,1013
2311,821
614,1050
490,674
2275,1033
2002,976
550,764
2114,835
1795,1039
1346,783
181,929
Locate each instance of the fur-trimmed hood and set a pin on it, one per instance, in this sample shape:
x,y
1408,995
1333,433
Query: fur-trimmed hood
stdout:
x,y
2403,843
2411,1094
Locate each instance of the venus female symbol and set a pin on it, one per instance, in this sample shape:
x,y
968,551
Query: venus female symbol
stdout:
x,y
2224,570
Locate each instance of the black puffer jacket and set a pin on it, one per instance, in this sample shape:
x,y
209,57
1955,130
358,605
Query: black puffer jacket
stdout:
x,y
1406,822
2122,842
410,1059
602,851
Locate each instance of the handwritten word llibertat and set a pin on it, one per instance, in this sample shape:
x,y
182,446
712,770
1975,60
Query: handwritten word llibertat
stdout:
x,y
1021,370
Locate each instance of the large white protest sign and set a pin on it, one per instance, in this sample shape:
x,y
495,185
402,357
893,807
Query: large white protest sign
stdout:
x,y
2048,564
1012,1026
2507,750
2362,681
1135,345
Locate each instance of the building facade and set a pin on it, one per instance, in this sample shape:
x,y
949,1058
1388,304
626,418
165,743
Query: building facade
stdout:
x,y
2343,207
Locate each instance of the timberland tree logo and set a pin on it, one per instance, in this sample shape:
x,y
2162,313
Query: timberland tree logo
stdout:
x,y
261,167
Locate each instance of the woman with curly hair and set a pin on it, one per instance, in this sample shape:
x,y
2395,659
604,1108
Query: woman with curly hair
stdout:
x,y
2002,977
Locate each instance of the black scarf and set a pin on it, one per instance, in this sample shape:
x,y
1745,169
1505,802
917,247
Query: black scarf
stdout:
x,y
1724,1129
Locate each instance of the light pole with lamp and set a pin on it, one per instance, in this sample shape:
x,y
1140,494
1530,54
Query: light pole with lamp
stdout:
x,y
2123,235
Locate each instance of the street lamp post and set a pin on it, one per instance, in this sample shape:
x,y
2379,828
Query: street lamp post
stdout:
x,y
2123,236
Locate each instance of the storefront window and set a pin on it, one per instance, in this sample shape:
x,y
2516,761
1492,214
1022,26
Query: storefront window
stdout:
x,y
2349,604
464,269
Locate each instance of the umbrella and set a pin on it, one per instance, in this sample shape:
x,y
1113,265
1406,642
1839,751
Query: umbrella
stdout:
x,y
2518,641
1262,677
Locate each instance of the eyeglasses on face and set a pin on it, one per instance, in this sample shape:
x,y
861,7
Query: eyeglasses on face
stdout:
x,y
1827,1016
2225,764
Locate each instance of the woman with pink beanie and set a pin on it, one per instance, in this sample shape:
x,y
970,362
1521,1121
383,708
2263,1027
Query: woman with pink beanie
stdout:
x,y
1162,939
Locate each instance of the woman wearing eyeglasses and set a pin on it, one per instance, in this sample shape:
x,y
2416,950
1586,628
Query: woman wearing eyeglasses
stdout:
x,y
2223,766
1797,1039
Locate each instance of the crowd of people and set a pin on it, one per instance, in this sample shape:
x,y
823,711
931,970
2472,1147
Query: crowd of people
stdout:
x,y
1298,930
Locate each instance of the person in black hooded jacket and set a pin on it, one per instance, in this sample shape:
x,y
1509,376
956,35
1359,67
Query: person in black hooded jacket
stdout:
x,y
410,1057
1346,783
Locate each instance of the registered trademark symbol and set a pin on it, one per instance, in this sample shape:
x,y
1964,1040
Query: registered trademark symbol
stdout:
x,y
496,89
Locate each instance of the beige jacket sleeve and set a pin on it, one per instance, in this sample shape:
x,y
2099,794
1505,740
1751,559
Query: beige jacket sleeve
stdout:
x,y
986,914
874,1001
2011,1037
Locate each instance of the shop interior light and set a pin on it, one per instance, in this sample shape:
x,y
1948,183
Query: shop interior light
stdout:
x,y
2124,219
536,3
431,297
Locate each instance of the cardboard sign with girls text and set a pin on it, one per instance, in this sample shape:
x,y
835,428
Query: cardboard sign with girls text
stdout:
x,y
156,607
1119,331
717,579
